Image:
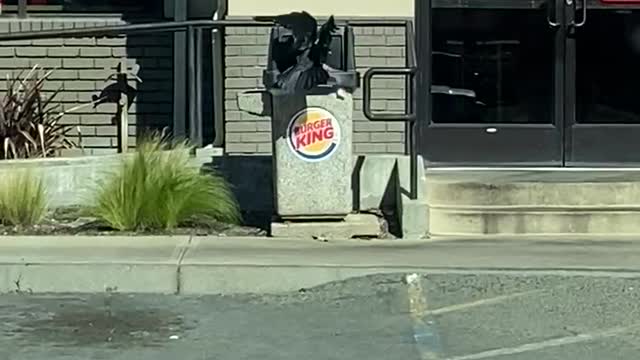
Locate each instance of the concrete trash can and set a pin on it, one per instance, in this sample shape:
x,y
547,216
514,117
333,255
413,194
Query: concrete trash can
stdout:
x,y
311,137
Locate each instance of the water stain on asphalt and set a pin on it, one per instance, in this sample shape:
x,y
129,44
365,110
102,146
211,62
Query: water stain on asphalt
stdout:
x,y
80,324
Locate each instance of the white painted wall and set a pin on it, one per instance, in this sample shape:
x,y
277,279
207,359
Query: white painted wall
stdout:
x,y
339,8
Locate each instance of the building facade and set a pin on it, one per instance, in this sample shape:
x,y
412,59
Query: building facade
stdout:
x,y
535,83
83,64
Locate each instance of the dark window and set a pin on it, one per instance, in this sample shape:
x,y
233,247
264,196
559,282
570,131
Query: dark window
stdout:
x,y
492,66
607,71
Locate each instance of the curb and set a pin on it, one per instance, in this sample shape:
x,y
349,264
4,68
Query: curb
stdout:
x,y
90,264
219,265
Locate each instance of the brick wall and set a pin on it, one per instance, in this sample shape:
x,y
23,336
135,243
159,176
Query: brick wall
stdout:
x,y
245,56
83,64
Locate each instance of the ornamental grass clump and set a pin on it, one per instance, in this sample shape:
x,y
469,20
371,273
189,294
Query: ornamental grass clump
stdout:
x,y
158,188
23,198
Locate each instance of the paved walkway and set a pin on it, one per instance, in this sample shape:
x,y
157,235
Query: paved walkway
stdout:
x,y
204,265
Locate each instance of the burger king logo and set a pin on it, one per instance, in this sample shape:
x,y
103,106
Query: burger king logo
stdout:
x,y
313,134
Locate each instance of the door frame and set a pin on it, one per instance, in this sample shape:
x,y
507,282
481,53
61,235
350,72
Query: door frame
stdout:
x,y
460,141
578,153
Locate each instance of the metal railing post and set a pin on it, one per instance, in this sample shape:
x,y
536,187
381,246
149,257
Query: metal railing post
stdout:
x,y
410,116
218,74
194,88
22,9
179,72
410,107
123,108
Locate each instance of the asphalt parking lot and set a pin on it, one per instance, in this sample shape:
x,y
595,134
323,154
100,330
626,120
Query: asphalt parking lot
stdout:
x,y
437,316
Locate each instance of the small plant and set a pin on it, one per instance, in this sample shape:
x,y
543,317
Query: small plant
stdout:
x,y
23,199
158,188
29,122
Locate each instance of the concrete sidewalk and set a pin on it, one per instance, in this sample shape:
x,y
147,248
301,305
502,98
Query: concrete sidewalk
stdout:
x,y
220,265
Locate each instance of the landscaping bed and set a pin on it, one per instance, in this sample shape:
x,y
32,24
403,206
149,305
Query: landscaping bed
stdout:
x,y
155,189
75,221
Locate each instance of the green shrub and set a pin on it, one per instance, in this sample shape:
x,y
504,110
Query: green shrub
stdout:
x,y
159,189
23,199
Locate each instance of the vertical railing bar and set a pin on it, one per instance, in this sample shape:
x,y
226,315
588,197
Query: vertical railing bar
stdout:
x,y
218,74
191,81
179,72
123,108
197,132
411,104
22,9
407,89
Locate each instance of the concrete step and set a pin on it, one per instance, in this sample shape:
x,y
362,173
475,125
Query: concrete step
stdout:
x,y
462,191
555,202
533,194
464,222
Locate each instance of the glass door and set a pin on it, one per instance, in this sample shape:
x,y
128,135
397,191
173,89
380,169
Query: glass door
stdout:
x,y
603,82
497,83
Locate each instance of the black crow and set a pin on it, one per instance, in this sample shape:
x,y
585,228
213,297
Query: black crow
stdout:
x,y
111,94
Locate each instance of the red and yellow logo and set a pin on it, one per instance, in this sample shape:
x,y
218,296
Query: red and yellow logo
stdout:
x,y
313,134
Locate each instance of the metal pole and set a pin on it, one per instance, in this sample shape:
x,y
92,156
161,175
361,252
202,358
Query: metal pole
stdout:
x,y
217,48
424,60
411,109
408,125
199,56
413,158
192,84
22,9
123,108
179,72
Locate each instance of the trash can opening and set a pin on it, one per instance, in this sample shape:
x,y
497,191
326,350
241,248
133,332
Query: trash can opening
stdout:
x,y
339,63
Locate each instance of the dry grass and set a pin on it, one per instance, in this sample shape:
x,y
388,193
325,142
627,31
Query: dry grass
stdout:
x,y
159,189
23,198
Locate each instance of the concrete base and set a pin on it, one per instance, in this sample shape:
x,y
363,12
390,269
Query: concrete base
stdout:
x,y
354,225
378,181
414,219
384,182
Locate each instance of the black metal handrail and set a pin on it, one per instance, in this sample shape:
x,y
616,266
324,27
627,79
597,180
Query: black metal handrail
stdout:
x,y
161,26
193,70
410,72
114,30
366,93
